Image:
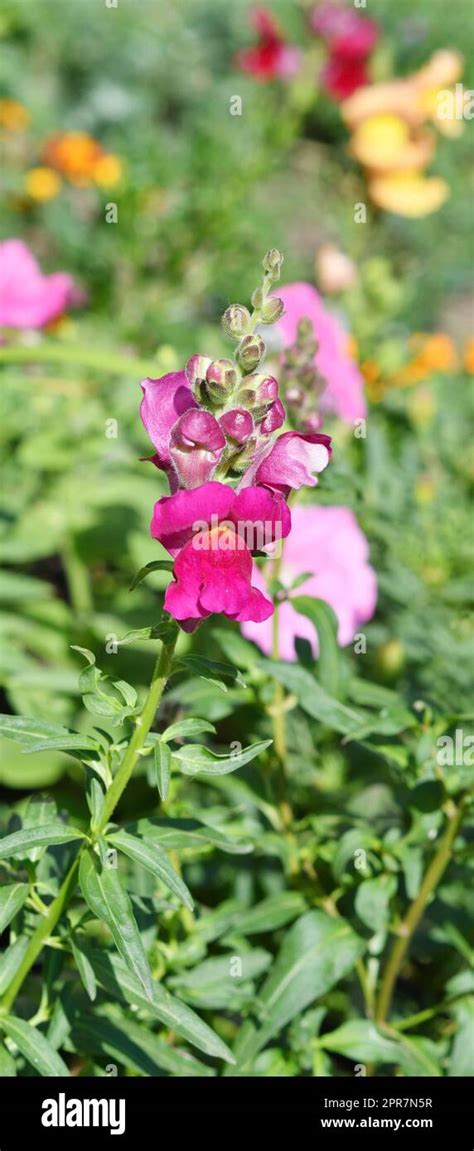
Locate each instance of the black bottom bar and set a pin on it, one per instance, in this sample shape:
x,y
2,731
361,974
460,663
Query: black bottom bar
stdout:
x,y
341,1112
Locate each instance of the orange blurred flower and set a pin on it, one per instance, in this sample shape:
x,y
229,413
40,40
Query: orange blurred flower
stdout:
x,y
81,158
14,117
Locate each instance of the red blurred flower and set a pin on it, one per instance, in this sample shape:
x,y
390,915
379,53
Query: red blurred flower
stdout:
x,y
350,38
272,55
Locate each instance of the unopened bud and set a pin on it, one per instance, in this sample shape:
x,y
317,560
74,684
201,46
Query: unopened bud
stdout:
x,y
237,425
257,393
272,263
235,321
250,352
272,310
221,379
196,369
274,419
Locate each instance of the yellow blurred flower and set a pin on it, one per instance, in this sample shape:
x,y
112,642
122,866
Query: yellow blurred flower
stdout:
x,y
389,140
421,406
108,170
42,184
408,193
14,117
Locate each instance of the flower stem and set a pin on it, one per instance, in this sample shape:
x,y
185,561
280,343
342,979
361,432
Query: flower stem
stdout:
x,y
410,922
76,355
46,927
278,706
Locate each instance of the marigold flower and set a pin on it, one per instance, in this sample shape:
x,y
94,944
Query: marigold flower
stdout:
x,y
108,171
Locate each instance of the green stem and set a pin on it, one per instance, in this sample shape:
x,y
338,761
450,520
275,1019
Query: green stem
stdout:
x,y
76,355
278,706
46,927
409,924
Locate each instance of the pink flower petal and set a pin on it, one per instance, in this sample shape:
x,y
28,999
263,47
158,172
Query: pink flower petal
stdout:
x,y
175,517
164,401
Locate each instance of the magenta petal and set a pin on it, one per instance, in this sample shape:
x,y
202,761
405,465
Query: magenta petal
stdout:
x,y
213,575
237,424
261,516
293,461
164,401
178,517
28,299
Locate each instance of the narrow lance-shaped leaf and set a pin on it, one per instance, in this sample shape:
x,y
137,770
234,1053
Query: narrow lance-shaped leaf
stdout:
x,y
154,859
105,895
85,969
12,898
35,1048
325,624
50,834
162,760
195,759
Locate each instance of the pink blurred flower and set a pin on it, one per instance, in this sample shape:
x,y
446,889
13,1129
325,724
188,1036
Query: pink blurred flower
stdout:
x,y
328,542
272,56
351,38
212,531
28,299
344,394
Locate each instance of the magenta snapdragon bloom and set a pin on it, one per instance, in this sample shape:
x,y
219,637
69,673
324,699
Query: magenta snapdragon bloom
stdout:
x,y
215,428
328,543
272,56
212,531
344,395
28,299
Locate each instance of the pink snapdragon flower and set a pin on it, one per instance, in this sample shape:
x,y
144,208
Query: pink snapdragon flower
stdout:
x,y
212,531
351,38
344,395
28,299
328,543
271,56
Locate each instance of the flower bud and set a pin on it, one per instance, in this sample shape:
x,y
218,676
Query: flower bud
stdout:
x,y
250,352
235,321
273,420
221,379
196,446
272,263
196,369
272,310
237,425
257,298
257,393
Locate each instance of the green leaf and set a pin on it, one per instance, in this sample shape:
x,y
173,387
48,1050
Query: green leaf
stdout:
x,y
195,759
325,623
134,1045
150,856
40,810
85,969
313,698
271,913
11,960
153,566
34,1047
105,895
12,898
372,901
162,760
360,1040
460,1062
186,727
20,842
113,974
185,833
316,953
212,984
211,669
7,1063
37,734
